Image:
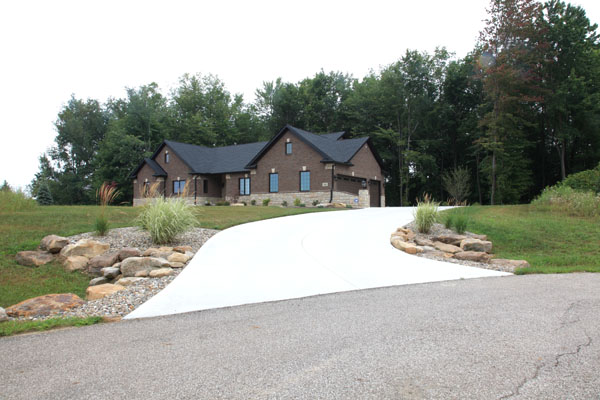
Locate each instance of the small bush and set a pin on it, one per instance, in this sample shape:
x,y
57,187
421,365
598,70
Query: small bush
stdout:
x,y
448,219
301,205
460,222
208,204
425,214
244,203
564,199
297,202
266,202
348,205
101,225
15,201
105,194
253,202
585,180
284,203
164,219
222,203
315,203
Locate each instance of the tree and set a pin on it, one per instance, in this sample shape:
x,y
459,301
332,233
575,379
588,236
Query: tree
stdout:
x,y
44,197
457,183
5,187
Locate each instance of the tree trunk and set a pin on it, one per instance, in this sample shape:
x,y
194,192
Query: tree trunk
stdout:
x,y
493,177
477,177
561,148
400,172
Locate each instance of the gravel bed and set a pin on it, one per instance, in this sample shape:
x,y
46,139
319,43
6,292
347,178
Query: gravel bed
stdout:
x,y
439,229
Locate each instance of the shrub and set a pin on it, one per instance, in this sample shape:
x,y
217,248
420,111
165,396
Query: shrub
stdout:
x,y
315,203
222,203
284,203
456,183
244,203
105,194
15,201
44,196
585,180
253,202
565,199
301,205
164,219
460,222
425,214
297,202
348,205
266,202
448,219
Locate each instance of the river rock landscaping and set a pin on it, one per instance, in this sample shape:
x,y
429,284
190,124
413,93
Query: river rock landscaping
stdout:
x,y
125,268
446,245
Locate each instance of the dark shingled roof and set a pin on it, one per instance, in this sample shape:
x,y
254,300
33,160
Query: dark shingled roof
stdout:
x,y
158,171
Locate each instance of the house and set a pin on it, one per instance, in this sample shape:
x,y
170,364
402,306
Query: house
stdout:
x,y
294,164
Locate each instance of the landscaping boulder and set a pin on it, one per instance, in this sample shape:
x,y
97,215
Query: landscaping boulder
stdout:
x,y
476,236
100,291
159,273
96,264
142,274
150,251
476,245
178,257
110,272
3,316
182,249
405,246
176,264
98,281
405,233
423,242
127,252
447,248
75,263
53,243
131,265
44,305
477,256
129,280
85,247
33,258
514,264
452,239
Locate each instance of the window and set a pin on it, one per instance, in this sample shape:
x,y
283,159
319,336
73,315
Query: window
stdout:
x,y
305,181
244,186
273,183
288,148
167,157
205,186
178,187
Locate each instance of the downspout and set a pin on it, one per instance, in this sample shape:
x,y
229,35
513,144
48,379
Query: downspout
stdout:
x,y
332,181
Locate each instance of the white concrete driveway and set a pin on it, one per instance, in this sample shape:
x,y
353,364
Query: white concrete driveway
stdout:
x,y
298,256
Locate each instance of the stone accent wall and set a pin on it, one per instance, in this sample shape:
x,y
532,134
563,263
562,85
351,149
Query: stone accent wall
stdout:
x,y
200,200
278,198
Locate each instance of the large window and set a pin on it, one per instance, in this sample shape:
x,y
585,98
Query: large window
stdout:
x,y
273,183
167,157
178,187
244,186
305,181
288,148
205,185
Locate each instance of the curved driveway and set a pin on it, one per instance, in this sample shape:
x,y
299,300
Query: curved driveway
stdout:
x,y
299,256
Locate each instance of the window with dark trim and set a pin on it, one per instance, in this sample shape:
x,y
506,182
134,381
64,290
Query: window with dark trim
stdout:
x,y
304,181
244,186
178,186
288,148
167,157
273,183
205,186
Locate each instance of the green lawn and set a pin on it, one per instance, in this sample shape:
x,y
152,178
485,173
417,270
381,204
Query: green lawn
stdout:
x,y
551,242
9,328
23,230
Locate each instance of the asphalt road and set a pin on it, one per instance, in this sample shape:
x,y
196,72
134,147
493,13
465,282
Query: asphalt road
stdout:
x,y
490,338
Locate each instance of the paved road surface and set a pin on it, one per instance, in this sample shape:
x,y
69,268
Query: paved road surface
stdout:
x,y
299,256
525,337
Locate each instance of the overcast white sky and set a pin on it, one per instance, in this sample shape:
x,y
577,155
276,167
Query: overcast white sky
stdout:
x,y
94,49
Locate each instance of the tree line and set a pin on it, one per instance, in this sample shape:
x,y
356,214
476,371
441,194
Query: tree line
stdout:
x,y
520,112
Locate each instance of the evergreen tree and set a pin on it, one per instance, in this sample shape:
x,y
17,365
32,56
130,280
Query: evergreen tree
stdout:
x,y
44,197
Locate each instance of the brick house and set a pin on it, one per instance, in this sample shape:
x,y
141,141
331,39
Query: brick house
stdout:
x,y
294,164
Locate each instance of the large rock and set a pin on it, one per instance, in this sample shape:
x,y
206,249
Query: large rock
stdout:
x,y
85,247
478,256
405,246
130,280
183,249
423,242
130,266
75,263
159,273
176,264
452,239
447,248
127,252
33,258
178,258
98,281
44,305
470,244
102,261
476,236
150,251
3,316
110,272
100,291
53,243
514,264
405,233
